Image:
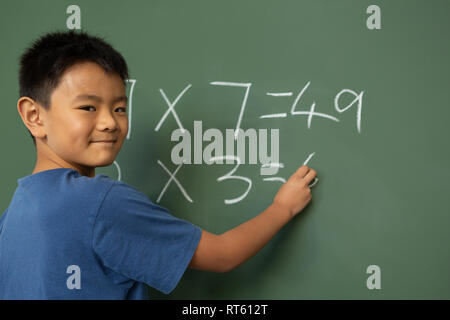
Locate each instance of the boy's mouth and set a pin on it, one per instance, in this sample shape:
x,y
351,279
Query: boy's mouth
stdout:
x,y
107,143
106,140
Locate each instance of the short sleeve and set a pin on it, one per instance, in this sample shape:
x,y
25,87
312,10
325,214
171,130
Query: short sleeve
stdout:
x,y
141,240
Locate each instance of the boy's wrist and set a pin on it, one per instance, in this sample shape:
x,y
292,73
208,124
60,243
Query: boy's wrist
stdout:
x,y
282,210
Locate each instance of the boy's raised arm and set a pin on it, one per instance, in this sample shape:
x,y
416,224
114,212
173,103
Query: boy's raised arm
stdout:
x,y
221,253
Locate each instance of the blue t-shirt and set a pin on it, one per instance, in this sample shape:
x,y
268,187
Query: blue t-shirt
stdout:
x,y
67,236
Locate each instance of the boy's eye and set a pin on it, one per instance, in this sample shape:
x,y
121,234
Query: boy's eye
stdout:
x,y
87,107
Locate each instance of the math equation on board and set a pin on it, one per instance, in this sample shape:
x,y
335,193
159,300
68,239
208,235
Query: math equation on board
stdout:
x,y
230,146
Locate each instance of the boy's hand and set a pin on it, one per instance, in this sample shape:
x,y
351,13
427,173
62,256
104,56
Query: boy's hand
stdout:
x,y
221,253
295,194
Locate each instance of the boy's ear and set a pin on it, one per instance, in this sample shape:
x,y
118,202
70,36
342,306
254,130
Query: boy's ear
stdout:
x,y
32,116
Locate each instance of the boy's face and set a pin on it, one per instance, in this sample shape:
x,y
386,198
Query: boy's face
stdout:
x,y
88,106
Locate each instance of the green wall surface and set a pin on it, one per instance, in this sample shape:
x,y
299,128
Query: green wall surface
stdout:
x,y
367,108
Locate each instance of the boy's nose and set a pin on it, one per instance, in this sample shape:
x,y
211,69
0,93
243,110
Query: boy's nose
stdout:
x,y
106,121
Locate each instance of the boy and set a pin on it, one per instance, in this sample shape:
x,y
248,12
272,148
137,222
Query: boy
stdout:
x,y
71,234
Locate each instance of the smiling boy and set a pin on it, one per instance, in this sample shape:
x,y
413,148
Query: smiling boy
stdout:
x,y
89,108
71,234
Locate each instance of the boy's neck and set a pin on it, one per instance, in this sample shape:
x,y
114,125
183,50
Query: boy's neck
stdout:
x,y
47,162
39,167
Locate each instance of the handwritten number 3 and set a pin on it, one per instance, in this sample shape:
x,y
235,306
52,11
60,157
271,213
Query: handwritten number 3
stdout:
x,y
229,175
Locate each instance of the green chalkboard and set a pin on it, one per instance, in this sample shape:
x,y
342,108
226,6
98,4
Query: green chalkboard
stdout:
x,y
359,91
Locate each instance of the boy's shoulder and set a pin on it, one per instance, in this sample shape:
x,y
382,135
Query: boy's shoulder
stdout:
x,y
67,188
62,184
65,192
63,178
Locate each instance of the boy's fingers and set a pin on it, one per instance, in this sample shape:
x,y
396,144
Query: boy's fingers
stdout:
x,y
310,176
302,171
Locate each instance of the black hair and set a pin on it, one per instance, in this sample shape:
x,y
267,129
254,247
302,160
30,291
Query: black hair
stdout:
x,y
44,62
